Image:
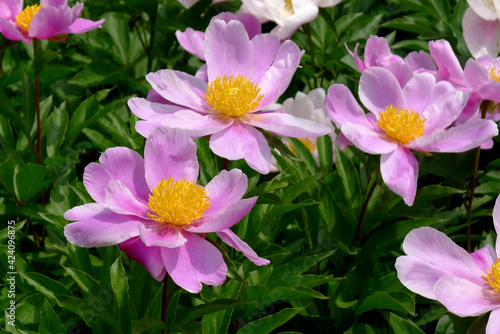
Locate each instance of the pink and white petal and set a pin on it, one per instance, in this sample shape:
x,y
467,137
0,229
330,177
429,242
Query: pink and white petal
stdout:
x,y
127,166
399,170
104,228
449,67
443,110
51,21
485,9
162,235
179,88
367,140
420,61
225,189
342,107
95,179
379,88
230,238
457,139
10,31
496,222
170,154
233,214
194,124
227,50
493,325
475,74
192,41
481,36
465,298
85,211
121,200
146,128
151,111
277,78
418,275
418,90
148,257
284,124
266,47
83,25
484,257
437,249
201,73
241,141
196,262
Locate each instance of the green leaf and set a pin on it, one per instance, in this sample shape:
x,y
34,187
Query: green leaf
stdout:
x,y
395,301
304,153
400,325
80,258
294,190
117,27
147,323
56,126
350,179
8,111
291,293
270,323
325,152
98,139
47,286
28,102
201,310
119,282
49,321
29,180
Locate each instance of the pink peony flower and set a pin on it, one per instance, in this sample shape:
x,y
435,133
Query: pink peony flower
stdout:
x,y
413,117
154,211
245,76
481,27
437,268
52,19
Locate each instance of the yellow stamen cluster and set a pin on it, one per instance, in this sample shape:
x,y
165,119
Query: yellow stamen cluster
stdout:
x,y
233,96
288,8
493,278
401,125
178,202
494,73
307,143
23,20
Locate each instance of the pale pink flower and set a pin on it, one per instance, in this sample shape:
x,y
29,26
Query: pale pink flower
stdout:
x,y
466,284
481,27
52,19
154,211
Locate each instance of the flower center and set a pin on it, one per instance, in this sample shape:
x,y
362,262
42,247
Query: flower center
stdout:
x,y
232,97
493,278
288,8
177,202
23,20
307,143
494,73
401,125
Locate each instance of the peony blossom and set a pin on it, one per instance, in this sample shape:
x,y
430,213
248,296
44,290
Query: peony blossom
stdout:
x,y
155,212
245,76
52,20
288,15
437,268
481,27
415,117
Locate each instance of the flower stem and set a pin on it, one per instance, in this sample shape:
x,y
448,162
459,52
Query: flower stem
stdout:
x,y
37,94
365,204
166,295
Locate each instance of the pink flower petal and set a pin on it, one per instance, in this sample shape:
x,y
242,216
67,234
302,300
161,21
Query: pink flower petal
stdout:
x,y
83,25
449,67
251,23
485,9
163,235
437,249
230,238
194,124
443,110
196,262
417,91
99,227
241,141
127,166
465,298
148,257
399,170
95,179
151,111
496,221
179,88
490,91
420,61
170,154
225,189
401,71
266,47
305,12
379,88
227,50
358,61
121,200
233,214
342,107
10,31
484,257
457,139
378,53
367,140
146,128
284,124
481,36
493,325
51,21
192,41
475,74
85,211
9,9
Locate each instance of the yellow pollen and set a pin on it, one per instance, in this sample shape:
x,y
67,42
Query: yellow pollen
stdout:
x,y
493,278
178,202
307,143
23,20
288,8
494,73
401,125
232,97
